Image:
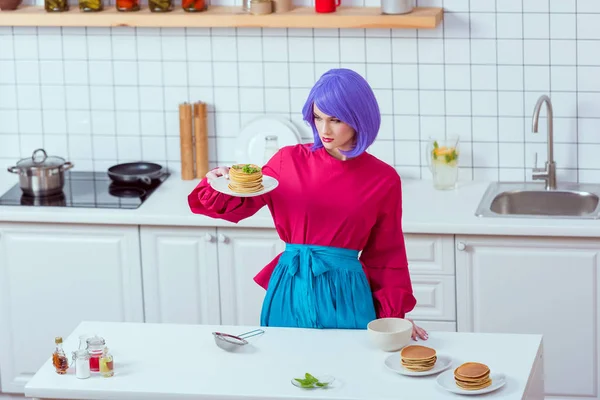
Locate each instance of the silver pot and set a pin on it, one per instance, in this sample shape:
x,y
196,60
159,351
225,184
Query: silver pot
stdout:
x,y
41,176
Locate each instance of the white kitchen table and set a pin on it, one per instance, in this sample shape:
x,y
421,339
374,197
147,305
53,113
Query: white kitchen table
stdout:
x,y
173,362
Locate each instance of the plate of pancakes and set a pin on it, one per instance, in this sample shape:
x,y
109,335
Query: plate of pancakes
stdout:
x,y
244,180
471,378
416,360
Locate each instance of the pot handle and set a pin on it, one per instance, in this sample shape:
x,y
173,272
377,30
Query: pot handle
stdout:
x,y
67,166
13,170
146,180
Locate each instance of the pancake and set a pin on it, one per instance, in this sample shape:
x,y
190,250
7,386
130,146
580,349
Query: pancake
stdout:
x,y
418,358
245,178
472,376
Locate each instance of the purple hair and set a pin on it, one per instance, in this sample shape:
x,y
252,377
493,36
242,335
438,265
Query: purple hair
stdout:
x,y
345,95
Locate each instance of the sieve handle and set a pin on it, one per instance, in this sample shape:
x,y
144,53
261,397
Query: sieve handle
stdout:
x,y
255,332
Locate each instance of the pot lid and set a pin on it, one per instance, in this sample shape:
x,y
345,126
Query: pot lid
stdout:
x,y
39,159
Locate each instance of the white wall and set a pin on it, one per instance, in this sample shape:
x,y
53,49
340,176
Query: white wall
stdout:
x,y
101,96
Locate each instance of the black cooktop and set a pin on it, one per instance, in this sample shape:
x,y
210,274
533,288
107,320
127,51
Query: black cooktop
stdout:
x,y
85,189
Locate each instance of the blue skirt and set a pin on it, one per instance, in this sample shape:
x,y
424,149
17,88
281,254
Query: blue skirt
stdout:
x,y
318,287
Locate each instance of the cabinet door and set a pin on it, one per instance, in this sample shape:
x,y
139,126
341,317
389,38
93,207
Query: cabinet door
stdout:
x,y
431,265
242,254
181,275
545,286
54,276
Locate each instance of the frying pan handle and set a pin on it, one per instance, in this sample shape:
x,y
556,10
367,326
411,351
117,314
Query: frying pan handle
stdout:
x,y
145,179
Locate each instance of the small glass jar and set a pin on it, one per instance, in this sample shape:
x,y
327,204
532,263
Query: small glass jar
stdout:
x,y
56,5
194,5
107,365
95,346
91,5
82,364
128,5
271,147
160,5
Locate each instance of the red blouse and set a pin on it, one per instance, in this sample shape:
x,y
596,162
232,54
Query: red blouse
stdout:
x,y
320,200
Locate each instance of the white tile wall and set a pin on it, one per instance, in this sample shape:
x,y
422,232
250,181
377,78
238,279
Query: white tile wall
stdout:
x,y
101,96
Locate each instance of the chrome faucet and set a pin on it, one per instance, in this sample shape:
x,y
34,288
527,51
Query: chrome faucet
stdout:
x,y
548,173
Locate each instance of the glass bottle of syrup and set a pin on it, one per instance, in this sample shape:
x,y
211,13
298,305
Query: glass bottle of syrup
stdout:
x,y
59,359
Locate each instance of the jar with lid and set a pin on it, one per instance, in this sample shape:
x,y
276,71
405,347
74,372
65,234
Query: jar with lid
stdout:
x,y
82,363
193,5
59,358
107,365
95,347
128,5
271,147
91,5
160,5
56,5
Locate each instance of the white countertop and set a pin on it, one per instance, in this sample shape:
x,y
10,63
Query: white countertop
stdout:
x,y
170,361
426,210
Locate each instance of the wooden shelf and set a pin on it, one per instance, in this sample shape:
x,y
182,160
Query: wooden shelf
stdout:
x,y
220,16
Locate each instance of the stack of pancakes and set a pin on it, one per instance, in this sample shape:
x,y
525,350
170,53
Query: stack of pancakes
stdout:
x,y
472,376
245,178
418,358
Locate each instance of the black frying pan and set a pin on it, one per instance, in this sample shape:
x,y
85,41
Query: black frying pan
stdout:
x,y
135,172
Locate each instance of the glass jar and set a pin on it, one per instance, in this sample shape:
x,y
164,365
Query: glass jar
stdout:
x,y
82,364
160,5
193,5
128,5
95,347
271,147
59,358
107,365
90,5
56,5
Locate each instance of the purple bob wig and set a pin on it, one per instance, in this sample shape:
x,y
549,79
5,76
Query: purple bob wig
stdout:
x,y
345,95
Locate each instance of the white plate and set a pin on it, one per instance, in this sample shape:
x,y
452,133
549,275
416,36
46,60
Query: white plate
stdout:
x,y
250,146
442,363
220,185
446,381
328,379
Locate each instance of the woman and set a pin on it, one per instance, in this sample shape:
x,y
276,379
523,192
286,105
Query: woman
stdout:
x,y
339,211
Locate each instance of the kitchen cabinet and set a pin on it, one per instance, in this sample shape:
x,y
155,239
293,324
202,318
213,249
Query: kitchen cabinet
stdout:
x,y
180,275
242,254
54,276
205,275
543,286
431,266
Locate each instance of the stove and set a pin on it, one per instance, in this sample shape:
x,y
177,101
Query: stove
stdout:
x,y
87,189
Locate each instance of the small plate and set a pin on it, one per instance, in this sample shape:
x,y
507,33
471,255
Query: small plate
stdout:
x,y
442,363
446,381
220,185
327,379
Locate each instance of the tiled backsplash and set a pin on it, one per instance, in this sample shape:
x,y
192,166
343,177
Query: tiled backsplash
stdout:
x,y
101,96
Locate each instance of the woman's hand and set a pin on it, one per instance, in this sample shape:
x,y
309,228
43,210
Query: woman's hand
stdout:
x,y
418,332
217,172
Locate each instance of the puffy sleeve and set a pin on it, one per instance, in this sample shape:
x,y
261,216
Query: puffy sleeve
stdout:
x,y
207,201
385,262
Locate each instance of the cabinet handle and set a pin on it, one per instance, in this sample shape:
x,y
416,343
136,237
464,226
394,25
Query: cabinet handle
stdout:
x,y
222,238
208,237
461,246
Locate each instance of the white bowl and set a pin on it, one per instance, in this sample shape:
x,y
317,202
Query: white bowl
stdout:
x,y
390,334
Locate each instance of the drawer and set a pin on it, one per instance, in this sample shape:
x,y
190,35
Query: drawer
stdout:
x,y
437,326
430,254
436,298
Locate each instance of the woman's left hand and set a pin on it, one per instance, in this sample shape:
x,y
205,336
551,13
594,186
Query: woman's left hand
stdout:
x,y
418,332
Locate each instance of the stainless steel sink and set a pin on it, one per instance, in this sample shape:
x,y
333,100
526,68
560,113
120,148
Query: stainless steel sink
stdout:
x,y
532,200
